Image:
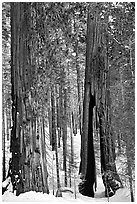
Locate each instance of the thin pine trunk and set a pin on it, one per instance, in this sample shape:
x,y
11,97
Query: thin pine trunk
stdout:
x,y
131,59
53,173
50,116
70,170
65,137
71,138
71,157
58,120
43,156
78,77
7,123
54,139
53,118
74,124
3,148
119,142
78,88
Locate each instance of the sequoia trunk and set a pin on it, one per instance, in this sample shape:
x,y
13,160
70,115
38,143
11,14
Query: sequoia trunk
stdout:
x,y
97,93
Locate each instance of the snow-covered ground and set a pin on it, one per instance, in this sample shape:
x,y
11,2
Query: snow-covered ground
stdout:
x,y
122,195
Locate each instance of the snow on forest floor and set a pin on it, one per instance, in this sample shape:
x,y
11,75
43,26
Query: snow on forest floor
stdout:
x,y
122,195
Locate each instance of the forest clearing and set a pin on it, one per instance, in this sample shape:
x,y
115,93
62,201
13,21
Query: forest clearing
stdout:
x,y
68,101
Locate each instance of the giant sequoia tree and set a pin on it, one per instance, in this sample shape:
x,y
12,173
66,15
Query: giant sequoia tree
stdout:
x,y
28,165
97,100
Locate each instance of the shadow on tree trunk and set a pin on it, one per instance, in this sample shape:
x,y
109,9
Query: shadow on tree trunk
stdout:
x,y
86,186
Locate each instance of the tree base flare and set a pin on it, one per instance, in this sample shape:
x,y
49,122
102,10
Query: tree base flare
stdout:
x,y
58,193
111,184
86,188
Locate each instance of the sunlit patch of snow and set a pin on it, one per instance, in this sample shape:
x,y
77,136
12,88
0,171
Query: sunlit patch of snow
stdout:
x,y
122,195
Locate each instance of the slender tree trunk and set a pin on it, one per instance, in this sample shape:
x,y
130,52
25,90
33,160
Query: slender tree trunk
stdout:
x,y
3,147
43,155
54,139
79,88
74,124
78,75
53,172
65,137
69,171
131,59
53,118
58,193
71,139
58,118
50,118
119,142
71,157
